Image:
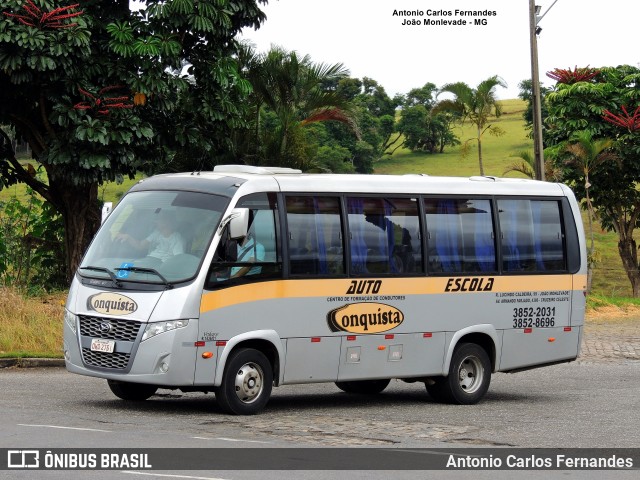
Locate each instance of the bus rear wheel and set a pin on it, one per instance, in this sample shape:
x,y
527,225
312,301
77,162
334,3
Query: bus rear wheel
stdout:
x,y
366,387
468,379
131,391
246,383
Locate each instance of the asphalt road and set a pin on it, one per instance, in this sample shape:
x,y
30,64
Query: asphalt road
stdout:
x,y
582,404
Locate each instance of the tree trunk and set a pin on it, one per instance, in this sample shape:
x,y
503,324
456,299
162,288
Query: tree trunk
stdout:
x,y
480,151
81,217
629,254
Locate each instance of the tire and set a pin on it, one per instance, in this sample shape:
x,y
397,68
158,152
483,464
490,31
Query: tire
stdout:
x,y
135,392
246,383
469,377
364,387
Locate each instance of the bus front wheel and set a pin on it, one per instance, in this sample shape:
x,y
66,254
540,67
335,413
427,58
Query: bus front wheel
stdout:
x,y
131,391
468,379
246,383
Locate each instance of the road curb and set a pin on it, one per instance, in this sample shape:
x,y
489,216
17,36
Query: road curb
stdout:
x,y
31,362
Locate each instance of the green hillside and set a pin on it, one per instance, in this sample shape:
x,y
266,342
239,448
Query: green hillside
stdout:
x,y
498,152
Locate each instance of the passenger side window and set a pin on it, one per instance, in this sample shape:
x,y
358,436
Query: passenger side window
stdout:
x,y
460,235
532,237
384,235
315,235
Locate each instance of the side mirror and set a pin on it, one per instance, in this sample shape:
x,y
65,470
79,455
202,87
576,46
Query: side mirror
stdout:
x,y
239,223
106,210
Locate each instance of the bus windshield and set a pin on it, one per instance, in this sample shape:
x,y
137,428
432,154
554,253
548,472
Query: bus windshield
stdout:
x,y
157,237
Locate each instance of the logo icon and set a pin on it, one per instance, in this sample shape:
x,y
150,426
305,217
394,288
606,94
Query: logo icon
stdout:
x,y
105,327
111,303
365,317
23,459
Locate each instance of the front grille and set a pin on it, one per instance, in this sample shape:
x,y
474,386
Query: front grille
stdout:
x,y
114,360
124,330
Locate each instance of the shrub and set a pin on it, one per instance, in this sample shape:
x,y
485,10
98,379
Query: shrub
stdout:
x,y
31,245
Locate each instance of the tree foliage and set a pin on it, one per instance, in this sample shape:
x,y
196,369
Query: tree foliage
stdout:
x,y
423,128
376,113
586,155
475,105
31,237
582,106
290,93
308,115
110,91
526,94
526,166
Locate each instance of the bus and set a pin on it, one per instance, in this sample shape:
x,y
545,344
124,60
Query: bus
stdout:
x,y
244,278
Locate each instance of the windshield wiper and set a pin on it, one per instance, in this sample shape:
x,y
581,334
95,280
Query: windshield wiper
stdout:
x,y
146,270
105,270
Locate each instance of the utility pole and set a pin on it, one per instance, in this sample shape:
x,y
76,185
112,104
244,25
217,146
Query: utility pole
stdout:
x,y
536,97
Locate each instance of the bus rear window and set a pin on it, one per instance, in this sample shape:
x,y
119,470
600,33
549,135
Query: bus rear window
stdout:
x,y
532,236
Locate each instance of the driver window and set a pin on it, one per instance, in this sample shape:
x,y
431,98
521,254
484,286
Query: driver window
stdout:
x,y
254,257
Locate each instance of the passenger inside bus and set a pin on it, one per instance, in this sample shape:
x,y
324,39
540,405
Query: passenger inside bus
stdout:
x,y
249,251
241,254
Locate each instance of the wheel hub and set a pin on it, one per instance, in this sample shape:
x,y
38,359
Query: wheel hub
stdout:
x,y
470,374
248,382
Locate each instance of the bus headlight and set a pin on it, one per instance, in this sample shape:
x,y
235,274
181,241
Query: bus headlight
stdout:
x,y
153,329
70,320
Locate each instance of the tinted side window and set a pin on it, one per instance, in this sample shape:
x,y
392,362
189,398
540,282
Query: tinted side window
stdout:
x,y
315,236
384,235
460,235
532,237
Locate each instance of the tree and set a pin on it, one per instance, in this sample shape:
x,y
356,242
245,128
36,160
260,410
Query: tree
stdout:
x,y
423,128
376,100
528,169
295,91
374,113
586,155
424,132
424,96
526,94
475,105
99,92
335,159
598,101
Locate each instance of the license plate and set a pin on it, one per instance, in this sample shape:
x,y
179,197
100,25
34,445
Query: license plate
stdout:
x,y
99,345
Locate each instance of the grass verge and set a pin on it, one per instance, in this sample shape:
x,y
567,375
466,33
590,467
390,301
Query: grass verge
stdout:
x,y
30,326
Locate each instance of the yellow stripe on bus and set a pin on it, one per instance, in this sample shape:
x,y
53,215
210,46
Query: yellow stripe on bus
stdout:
x,y
346,288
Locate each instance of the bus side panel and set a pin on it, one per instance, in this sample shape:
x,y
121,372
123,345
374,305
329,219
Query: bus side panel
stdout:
x,y
391,356
206,363
539,330
312,359
523,348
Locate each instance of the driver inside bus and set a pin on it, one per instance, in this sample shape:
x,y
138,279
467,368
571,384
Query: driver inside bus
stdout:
x,y
163,243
